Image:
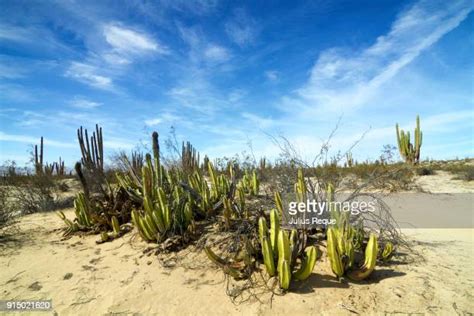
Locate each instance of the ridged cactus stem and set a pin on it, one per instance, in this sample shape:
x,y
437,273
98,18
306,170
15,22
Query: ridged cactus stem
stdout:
x,y
156,156
408,151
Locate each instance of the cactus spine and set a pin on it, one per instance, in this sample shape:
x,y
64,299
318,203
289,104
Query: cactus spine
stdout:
x,y
408,151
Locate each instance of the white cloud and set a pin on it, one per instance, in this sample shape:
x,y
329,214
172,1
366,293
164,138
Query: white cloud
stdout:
x,y
236,95
164,118
272,75
127,41
216,53
117,143
258,121
13,33
33,140
153,122
242,29
88,74
85,104
347,80
116,59
11,72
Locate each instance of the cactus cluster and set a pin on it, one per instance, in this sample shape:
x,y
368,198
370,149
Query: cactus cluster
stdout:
x,y
93,151
46,168
250,184
165,208
172,198
349,160
341,248
344,241
219,183
189,157
300,187
280,252
408,151
263,163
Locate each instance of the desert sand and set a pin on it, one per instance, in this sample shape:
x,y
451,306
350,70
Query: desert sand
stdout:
x,y
121,277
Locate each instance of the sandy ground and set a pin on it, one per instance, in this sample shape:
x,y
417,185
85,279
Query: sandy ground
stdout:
x,y
444,182
83,278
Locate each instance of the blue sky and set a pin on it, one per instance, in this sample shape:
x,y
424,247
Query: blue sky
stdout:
x,y
224,73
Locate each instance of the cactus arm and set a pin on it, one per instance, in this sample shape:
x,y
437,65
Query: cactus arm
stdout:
x,y
307,265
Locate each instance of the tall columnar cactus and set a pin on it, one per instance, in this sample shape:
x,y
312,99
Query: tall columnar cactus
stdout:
x,y
349,160
39,158
189,157
93,152
280,252
408,151
205,163
167,208
59,167
263,163
131,181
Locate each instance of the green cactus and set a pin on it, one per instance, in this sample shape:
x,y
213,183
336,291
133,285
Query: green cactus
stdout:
x,y
82,211
300,187
279,203
71,226
281,256
241,198
39,158
349,160
274,230
93,151
189,158
255,184
341,253
228,211
387,251
115,226
408,151
263,163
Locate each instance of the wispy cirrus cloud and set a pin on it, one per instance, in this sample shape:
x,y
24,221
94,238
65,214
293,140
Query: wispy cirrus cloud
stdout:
x,y
90,75
343,79
216,53
164,118
241,28
127,44
85,104
32,140
272,75
120,46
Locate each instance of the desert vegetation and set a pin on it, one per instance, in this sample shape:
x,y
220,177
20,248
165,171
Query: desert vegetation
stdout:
x,y
231,210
